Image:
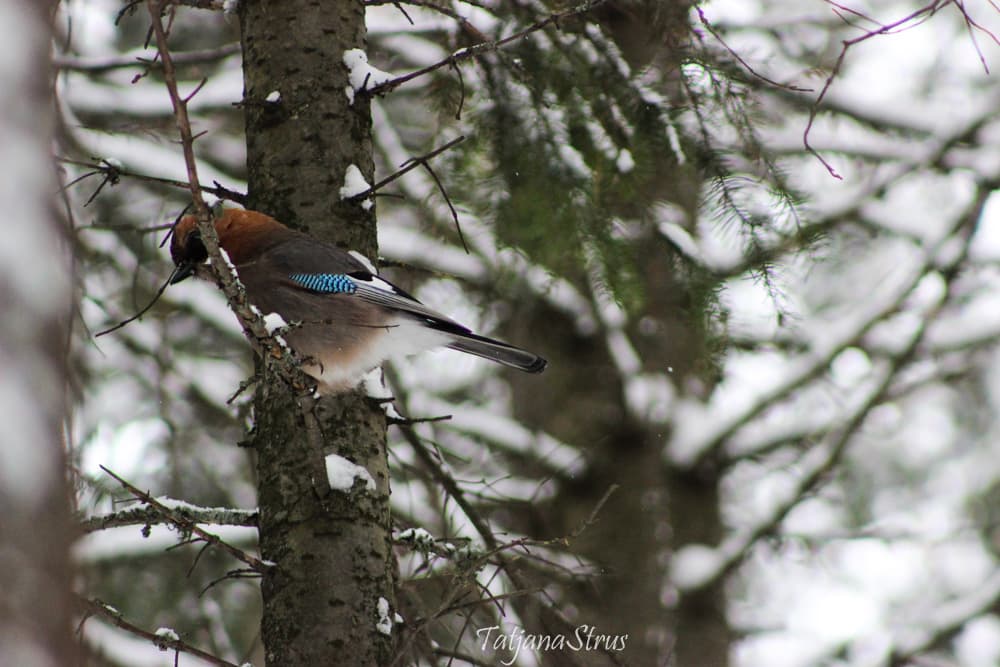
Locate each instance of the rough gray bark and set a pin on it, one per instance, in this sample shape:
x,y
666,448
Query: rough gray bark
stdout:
x,y
332,550
35,533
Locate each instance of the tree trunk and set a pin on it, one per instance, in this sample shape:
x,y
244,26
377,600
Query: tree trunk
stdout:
x,y
656,509
332,550
35,289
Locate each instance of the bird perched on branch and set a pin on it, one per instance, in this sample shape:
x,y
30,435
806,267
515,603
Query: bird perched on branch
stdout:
x,y
343,320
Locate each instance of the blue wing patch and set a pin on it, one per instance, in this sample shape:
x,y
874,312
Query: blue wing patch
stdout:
x,y
326,283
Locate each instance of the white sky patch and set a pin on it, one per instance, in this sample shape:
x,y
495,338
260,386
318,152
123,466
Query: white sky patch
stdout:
x,y
130,447
375,387
230,6
341,474
384,622
362,75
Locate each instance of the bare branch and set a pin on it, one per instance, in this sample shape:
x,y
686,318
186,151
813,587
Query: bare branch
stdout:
x,y
846,45
407,166
113,171
98,65
451,207
715,33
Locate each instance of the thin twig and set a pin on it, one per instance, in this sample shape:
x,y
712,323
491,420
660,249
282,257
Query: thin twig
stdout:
x,y
846,45
482,47
451,207
109,170
142,311
180,112
187,525
407,166
100,65
396,421
715,33
162,642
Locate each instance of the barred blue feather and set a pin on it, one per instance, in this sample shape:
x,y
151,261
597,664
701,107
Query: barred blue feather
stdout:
x,y
326,283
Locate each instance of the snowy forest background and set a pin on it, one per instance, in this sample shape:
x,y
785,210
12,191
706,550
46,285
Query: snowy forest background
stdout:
x,y
768,434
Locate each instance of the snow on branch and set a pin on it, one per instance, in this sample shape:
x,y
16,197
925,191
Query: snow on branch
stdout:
x,y
150,516
697,566
947,620
164,639
186,525
707,432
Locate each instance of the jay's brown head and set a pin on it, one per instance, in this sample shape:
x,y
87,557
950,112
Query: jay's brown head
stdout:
x,y
242,234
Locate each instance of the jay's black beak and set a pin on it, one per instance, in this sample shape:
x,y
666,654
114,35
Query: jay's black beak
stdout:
x,y
181,272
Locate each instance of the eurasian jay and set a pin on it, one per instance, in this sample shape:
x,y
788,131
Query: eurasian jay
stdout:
x,y
343,319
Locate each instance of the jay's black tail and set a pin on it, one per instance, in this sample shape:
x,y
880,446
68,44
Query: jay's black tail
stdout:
x,y
502,353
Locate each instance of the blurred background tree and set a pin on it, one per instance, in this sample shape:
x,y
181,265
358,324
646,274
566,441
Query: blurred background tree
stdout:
x,y
767,434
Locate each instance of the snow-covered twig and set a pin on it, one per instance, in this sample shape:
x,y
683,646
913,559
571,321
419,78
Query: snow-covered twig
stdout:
x,y
150,516
187,525
164,639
